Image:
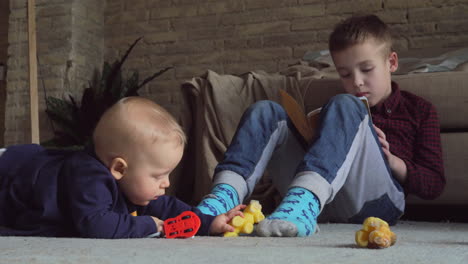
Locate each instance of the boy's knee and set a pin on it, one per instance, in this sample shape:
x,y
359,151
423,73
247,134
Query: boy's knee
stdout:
x,y
348,102
344,99
265,105
266,108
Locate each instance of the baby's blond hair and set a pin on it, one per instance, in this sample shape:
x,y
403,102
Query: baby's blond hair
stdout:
x,y
132,124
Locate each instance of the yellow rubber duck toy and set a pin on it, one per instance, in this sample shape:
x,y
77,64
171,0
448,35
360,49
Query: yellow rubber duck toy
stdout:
x,y
375,233
245,225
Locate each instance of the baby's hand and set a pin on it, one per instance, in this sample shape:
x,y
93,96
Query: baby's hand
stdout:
x,y
220,223
159,224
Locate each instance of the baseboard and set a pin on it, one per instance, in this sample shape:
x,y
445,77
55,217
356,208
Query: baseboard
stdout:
x,y
436,213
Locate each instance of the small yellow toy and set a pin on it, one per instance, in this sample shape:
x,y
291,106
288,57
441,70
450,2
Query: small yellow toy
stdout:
x,y
375,233
252,215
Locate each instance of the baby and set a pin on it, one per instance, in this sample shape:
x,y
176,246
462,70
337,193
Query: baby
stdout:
x,y
114,189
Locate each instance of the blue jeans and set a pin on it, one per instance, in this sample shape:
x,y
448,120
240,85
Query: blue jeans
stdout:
x,y
344,167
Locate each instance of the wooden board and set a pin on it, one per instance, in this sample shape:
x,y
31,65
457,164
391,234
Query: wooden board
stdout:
x,y
33,94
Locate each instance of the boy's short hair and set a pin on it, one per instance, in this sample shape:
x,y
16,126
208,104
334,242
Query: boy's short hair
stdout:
x,y
358,29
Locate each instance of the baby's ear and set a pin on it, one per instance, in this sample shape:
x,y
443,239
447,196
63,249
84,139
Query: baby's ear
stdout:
x,y
118,168
393,58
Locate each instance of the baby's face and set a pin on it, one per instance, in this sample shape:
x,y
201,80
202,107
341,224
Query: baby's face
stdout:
x,y
148,171
365,70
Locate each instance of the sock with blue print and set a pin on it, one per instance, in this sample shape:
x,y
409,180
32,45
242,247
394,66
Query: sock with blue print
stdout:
x,y
295,216
223,197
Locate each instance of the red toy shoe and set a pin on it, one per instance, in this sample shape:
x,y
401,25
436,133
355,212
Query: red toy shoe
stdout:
x,y
182,226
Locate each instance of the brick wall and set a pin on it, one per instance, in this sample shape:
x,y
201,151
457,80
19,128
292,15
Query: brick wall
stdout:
x,y
69,46
227,36
235,36
4,13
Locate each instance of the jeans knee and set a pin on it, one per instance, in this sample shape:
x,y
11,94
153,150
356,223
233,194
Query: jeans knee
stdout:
x,y
266,109
343,99
349,103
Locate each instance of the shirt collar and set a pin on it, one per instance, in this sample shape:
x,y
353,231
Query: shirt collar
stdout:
x,y
391,103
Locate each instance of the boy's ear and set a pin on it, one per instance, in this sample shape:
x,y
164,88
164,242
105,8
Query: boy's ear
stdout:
x,y
393,58
118,168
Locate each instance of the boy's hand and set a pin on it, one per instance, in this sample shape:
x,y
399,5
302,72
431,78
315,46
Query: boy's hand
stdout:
x,y
384,143
159,224
397,165
220,223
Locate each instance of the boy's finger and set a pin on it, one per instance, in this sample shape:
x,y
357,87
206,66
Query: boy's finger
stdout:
x,y
387,153
380,133
382,141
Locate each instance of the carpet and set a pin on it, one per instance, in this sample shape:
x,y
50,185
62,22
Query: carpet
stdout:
x,y
417,242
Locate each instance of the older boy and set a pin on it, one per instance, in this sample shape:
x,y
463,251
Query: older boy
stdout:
x,y
115,190
355,168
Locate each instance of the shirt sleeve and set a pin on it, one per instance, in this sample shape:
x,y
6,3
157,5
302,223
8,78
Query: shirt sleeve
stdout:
x,y
168,207
425,170
97,208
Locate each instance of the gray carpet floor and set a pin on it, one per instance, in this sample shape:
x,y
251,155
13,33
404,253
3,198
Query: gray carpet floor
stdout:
x,y
417,242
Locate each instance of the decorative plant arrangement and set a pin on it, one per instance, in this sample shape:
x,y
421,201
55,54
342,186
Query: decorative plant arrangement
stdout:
x,y
73,123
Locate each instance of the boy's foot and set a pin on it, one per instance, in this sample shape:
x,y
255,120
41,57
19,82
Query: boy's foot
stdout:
x,y
295,216
223,197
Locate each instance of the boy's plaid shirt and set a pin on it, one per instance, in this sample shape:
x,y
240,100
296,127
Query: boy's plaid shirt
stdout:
x,y
412,129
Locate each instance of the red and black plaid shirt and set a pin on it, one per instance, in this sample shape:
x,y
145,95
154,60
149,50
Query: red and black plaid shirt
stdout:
x,y
412,129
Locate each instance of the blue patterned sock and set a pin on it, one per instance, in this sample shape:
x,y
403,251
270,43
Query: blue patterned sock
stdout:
x,y
223,198
295,216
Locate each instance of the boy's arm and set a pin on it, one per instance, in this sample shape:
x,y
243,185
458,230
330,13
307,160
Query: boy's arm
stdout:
x,y
168,207
425,170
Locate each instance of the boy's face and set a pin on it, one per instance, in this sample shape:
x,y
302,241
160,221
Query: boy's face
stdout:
x,y
365,70
147,175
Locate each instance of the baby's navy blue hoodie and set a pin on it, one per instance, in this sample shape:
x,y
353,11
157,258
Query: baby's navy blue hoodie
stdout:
x,y
64,193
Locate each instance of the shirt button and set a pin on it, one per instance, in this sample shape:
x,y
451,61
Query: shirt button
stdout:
x,y
389,111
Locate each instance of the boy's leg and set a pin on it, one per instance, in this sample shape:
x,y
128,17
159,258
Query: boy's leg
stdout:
x,y
348,168
297,213
263,127
346,150
369,188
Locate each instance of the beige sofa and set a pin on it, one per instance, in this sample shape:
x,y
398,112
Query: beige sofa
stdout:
x,y
217,101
